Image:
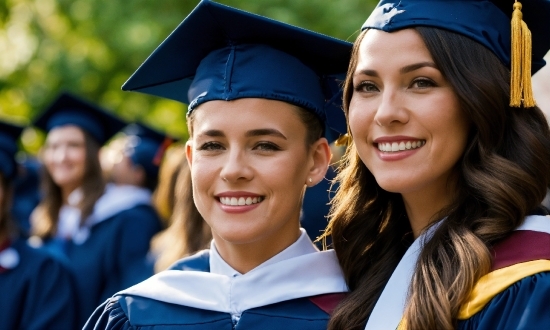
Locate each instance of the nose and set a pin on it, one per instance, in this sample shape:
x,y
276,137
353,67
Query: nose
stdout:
x,y
59,154
237,167
392,109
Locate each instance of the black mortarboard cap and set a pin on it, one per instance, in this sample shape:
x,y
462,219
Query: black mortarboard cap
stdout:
x,y
146,146
69,109
222,53
487,22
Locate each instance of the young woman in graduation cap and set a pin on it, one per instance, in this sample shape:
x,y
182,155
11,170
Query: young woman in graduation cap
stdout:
x,y
100,231
437,223
36,290
259,92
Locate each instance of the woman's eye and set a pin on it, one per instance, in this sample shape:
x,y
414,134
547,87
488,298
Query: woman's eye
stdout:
x,y
267,146
211,146
366,86
423,83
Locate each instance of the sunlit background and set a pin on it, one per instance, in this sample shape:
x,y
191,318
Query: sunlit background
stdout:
x,y
90,47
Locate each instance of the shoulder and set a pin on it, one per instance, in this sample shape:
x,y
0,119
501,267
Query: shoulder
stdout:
x,y
302,313
36,259
200,261
523,305
128,312
521,266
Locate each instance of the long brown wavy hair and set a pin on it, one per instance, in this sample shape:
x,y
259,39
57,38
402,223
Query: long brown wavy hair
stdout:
x,y
502,176
7,228
45,216
187,231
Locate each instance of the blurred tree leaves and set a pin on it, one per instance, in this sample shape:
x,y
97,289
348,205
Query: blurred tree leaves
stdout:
x,y
91,47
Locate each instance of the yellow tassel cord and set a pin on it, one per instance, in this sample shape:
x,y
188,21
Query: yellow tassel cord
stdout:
x,y
521,91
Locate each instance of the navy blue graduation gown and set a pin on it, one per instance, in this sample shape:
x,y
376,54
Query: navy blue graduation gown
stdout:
x,y
37,293
135,312
525,303
523,306
112,258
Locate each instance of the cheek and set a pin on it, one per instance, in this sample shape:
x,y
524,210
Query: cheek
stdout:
x,y
360,118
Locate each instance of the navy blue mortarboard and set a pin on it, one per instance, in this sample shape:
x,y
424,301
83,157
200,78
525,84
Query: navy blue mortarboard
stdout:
x,y
222,53
69,109
9,134
487,22
146,147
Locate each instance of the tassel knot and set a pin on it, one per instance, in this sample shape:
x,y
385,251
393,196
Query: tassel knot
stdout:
x,y
521,92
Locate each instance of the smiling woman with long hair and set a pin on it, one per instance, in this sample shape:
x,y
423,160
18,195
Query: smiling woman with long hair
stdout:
x,y
437,223
258,92
37,291
101,231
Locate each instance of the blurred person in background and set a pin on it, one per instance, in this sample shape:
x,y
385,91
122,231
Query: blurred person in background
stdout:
x,y
36,290
85,224
187,231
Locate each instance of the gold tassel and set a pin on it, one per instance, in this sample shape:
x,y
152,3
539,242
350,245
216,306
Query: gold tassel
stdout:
x,y
521,91
342,141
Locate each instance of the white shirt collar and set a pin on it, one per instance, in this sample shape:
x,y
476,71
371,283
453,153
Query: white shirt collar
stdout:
x,y
303,245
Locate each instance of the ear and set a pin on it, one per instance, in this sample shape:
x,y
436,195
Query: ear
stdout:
x,y
189,152
320,156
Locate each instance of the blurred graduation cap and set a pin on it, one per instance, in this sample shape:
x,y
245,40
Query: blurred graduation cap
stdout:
x,y
222,53
146,147
69,109
496,24
9,135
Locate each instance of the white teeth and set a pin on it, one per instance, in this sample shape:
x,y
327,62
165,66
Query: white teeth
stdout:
x,y
400,146
240,201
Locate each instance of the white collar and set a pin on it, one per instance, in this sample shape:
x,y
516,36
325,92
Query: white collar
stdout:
x,y
117,198
389,308
303,245
291,277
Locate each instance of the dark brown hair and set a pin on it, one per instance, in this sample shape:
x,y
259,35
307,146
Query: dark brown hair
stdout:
x,y
7,228
502,176
187,231
46,215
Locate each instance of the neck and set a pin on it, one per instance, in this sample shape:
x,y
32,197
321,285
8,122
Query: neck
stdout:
x,y
245,257
423,207
65,192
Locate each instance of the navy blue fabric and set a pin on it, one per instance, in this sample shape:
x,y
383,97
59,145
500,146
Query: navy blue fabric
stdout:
x,y
68,109
26,194
144,146
9,135
524,305
215,54
37,294
113,258
487,22
132,312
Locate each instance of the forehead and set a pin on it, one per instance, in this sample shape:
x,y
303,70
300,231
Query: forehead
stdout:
x,y
247,114
65,133
390,49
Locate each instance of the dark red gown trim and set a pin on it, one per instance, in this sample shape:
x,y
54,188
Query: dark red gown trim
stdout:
x,y
521,246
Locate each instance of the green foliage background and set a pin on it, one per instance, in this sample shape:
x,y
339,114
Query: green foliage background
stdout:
x,y
91,47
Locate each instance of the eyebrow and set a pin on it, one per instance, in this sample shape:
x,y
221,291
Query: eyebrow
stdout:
x,y
265,131
251,133
403,70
